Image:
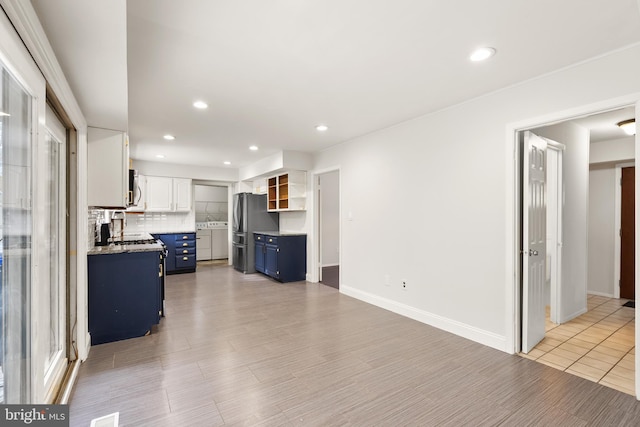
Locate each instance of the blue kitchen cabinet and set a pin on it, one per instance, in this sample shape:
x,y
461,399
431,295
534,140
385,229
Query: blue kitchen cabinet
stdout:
x,y
259,252
181,252
125,295
282,256
271,251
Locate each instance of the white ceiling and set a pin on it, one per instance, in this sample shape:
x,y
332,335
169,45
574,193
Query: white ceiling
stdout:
x,y
90,42
272,70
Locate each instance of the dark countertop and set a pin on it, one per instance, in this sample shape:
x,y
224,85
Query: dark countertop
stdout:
x,y
120,249
279,233
156,233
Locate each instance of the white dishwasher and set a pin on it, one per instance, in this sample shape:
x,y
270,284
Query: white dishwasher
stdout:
x,y
219,242
203,244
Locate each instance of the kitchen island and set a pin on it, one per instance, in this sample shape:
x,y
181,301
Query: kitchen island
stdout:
x,y
126,290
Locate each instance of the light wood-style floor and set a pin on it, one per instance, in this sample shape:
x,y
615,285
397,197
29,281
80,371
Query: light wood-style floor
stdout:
x,y
598,345
246,350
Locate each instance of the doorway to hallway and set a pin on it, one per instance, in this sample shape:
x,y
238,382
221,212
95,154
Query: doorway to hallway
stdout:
x,y
328,187
578,293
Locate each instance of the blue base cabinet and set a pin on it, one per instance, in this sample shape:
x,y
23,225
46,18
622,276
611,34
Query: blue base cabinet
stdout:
x,y
282,256
259,252
181,252
125,295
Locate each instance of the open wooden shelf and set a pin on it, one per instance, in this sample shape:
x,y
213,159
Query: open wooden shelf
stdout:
x,y
287,192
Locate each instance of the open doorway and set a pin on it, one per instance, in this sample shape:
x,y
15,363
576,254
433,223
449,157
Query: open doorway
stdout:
x,y
329,228
587,331
212,224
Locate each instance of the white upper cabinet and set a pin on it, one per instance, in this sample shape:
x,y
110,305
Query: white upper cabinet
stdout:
x,y
159,194
168,194
181,194
107,168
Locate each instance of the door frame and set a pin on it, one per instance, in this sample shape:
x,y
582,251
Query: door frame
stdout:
x,y
315,208
556,282
618,225
513,210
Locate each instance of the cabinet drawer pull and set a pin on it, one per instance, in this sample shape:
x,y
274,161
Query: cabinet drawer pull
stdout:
x,y
185,244
185,251
185,258
270,240
259,238
185,237
161,271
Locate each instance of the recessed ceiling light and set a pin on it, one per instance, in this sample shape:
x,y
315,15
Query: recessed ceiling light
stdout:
x,y
160,156
628,126
200,105
253,148
322,128
227,162
169,137
482,53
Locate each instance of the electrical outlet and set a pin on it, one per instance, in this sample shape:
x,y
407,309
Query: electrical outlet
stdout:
x,y
404,285
387,280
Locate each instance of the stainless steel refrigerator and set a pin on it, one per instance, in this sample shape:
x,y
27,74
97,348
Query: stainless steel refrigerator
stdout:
x,y
249,215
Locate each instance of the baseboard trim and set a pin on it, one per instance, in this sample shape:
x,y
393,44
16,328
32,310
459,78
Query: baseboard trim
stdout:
x,y
87,348
472,333
573,316
600,294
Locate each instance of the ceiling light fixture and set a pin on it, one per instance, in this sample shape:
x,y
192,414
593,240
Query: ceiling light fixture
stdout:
x,y
201,105
253,148
227,162
482,54
160,156
628,126
2,114
169,137
322,128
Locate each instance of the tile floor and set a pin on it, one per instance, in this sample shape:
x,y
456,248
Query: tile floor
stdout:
x,y
598,345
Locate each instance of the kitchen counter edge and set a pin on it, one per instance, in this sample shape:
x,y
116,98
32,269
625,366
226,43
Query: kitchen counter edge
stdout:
x,y
279,233
121,249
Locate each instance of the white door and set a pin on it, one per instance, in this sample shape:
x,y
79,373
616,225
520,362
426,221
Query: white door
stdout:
x,y
159,194
534,238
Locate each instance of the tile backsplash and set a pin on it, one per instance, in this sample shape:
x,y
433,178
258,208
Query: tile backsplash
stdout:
x,y
160,222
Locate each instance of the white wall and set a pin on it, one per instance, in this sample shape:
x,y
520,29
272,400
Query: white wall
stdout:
x,y
330,206
283,160
575,175
430,200
613,150
186,171
210,193
602,184
211,203
604,156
